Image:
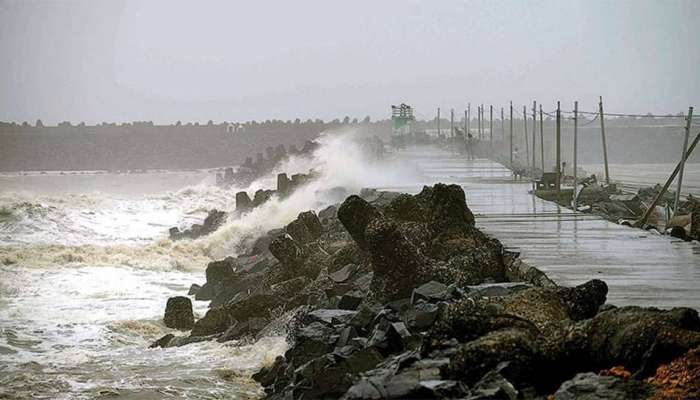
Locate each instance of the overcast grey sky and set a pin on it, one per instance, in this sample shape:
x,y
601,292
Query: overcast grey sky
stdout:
x,y
170,60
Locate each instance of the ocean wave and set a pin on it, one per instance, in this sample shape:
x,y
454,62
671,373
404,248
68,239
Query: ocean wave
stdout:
x,y
97,229
161,255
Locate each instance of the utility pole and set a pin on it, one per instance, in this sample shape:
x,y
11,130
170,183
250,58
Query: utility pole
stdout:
x,y
534,126
541,139
465,123
481,123
575,154
601,115
469,116
503,126
527,145
670,179
689,121
491,128
558,148
452,124
511,135
478,121
438,122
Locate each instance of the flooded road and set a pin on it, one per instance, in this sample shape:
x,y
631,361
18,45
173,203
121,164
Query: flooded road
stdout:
x,y
640,267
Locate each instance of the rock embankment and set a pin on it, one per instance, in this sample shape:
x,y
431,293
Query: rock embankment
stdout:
x,y
612,204
397,296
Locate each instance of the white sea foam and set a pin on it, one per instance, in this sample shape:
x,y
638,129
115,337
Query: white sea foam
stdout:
x,y
98,229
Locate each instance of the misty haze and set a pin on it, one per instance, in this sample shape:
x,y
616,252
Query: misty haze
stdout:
x,y
349,200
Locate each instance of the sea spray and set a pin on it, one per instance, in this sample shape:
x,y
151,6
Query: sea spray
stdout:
x,y
105,230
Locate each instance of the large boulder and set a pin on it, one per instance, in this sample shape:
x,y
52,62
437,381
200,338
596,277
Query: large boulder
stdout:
x,y
283,184
178,313
590,386
518,347
312,223
640,339
218,271
356,214
583,301
287,250
212,222
243,202
305,228
398,265
448,207
216,320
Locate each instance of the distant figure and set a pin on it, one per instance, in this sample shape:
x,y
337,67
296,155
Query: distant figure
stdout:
x,y
515,167
470,146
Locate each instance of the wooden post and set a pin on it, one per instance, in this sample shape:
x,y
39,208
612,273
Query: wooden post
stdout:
x,y
527,144
601,115
481,121
503,126
689,121
534,126
469,116
511,135
491,128
478,121
541,139
670,179
557,168
575,153
465,124
452,124
438,122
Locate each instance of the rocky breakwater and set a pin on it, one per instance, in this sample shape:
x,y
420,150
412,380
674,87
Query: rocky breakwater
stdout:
x,y
398,296
215,218
251,169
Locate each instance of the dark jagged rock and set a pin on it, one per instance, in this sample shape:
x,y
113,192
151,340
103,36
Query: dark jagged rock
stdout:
x,y
590,386
494,386
178,341
243,202
289,288
287,251
312,223
178,313
448,207
640,339
397,263
163,341
283,184
194,288
431,291
261,196
583,301
422,316
349,302
212,222
518,347
328,213
216,320
218,271
305,228
330,316
407,208
356,214
235,331
344,273
310,341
